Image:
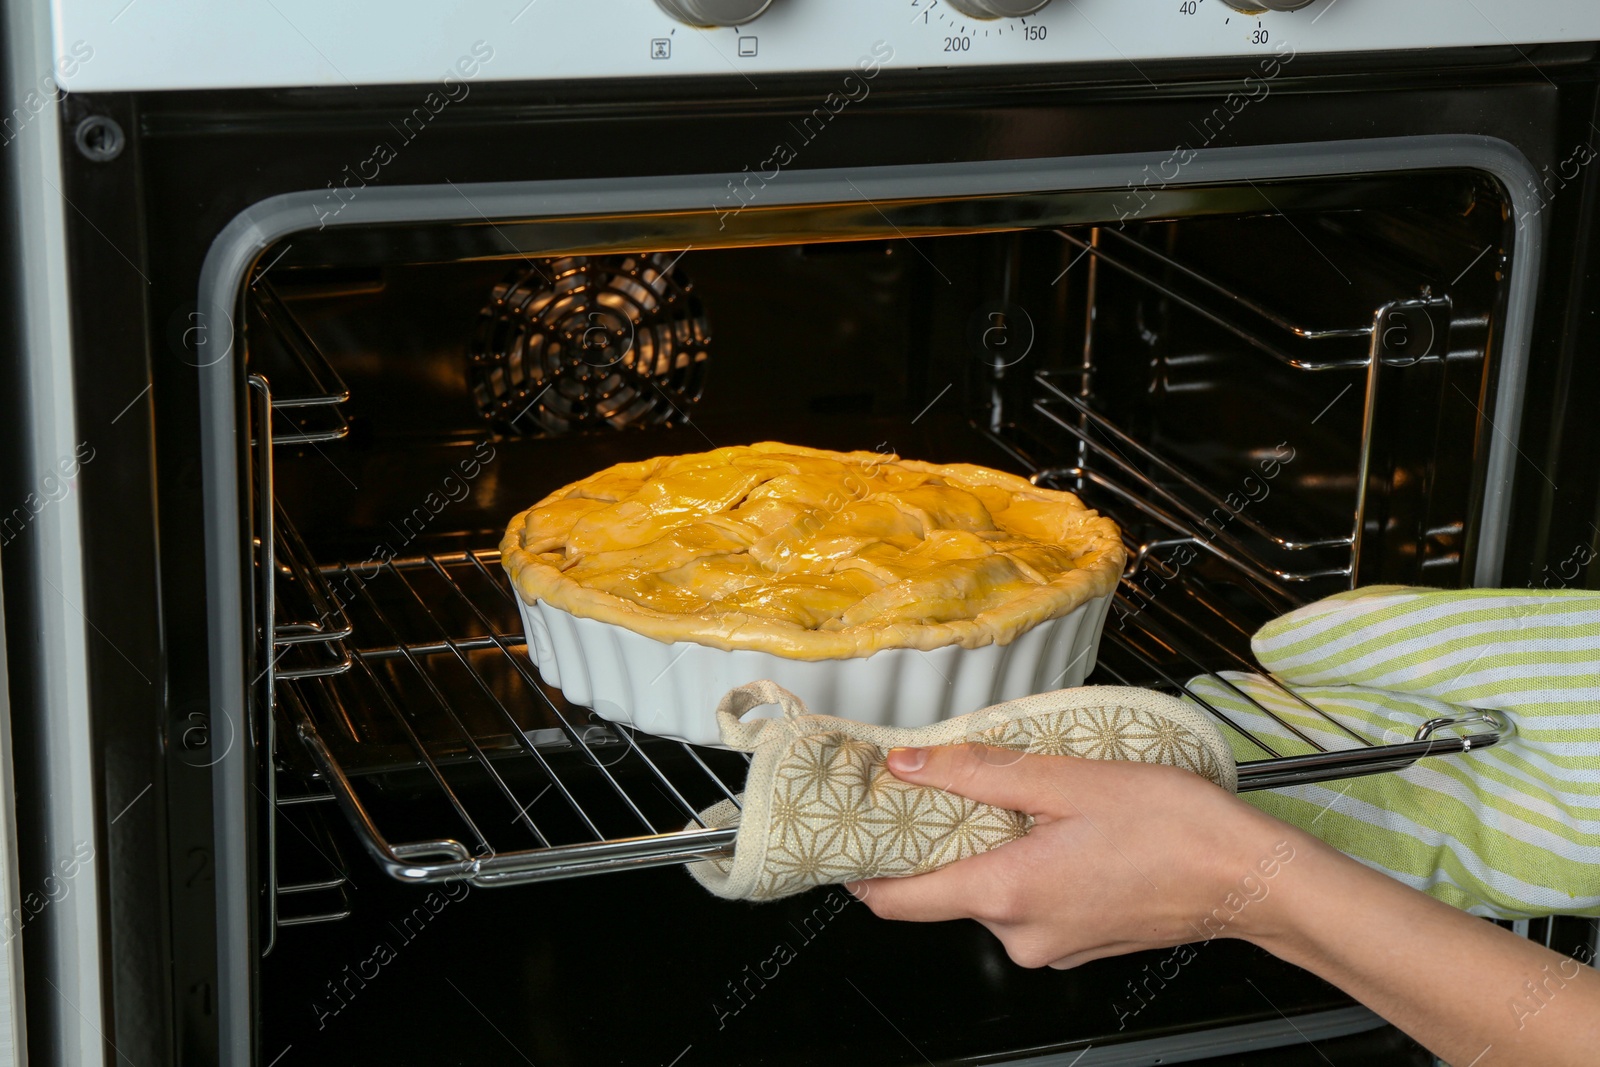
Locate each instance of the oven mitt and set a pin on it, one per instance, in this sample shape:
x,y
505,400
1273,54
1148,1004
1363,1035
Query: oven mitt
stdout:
x,y
820,806
1511,831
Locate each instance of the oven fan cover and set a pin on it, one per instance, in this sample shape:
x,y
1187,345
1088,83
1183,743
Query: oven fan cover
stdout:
x,y
582,342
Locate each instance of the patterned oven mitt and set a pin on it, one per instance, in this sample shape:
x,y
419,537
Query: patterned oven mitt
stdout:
x,y
821,807
1511,831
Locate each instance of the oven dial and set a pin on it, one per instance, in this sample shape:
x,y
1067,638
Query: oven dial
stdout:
x,y
1255,7
996,9
714,12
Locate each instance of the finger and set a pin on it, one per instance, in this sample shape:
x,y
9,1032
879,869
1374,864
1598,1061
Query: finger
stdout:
x,y
900,900
958,891
998,776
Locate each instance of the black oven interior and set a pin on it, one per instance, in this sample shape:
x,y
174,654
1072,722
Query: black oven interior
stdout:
x,y
1276,392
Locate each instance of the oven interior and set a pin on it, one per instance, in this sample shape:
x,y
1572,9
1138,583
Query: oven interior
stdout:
x,y
1275,389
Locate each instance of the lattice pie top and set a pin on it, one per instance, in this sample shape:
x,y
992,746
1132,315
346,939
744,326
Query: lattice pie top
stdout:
x,y
811,554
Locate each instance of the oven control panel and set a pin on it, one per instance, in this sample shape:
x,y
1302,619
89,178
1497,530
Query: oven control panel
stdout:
x,y
106,45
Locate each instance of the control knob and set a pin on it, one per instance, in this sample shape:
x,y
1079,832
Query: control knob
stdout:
x,y
714,12
996,9
1255,7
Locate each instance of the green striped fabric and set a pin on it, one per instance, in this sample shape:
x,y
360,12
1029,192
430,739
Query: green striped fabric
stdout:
x,y
1511,831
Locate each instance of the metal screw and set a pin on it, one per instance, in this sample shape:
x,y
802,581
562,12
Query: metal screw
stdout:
x,y
99,138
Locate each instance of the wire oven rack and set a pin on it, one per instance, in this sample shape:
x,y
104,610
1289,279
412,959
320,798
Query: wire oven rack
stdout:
x,y
307,394
1174,497
424,720
1140,478
521,786
459,711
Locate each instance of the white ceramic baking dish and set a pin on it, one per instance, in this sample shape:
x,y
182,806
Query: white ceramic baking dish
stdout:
x,y
672,690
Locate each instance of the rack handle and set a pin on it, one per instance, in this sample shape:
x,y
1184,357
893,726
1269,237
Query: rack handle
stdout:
x,y
1493,718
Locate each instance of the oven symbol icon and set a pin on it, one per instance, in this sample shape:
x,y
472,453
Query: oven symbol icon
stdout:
x,y
747,46
661,48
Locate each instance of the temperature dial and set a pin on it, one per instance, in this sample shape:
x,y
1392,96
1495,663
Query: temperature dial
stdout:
x,y
996,9
714,12
1255,7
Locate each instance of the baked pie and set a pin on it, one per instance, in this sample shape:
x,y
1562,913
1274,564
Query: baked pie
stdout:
x,y
812,555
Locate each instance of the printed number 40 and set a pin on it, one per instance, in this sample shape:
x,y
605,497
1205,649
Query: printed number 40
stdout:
x,y
1188,7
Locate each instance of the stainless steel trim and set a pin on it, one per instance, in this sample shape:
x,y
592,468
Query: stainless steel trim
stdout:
x,y
318,917
266,620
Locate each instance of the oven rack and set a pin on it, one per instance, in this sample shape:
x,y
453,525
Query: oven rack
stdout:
x,y
1160,489
1168,637
462,710
303,637
307,392
452,760
308,640
1288,339
318,890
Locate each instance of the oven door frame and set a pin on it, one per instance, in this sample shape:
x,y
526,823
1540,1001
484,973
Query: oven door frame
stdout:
x,y
1103,181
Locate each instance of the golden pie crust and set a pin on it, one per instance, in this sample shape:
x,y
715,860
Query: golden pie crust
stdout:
x,y
810,554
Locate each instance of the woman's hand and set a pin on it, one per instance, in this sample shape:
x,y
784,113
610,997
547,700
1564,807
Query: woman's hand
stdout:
x,y
1123,856
1128,856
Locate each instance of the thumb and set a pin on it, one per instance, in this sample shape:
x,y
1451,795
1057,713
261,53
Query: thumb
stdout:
x,y
998,776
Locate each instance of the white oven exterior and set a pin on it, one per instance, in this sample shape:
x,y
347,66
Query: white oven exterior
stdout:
x,y
195,44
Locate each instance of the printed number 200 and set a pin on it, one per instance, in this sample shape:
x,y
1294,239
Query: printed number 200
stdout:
x,y
958,44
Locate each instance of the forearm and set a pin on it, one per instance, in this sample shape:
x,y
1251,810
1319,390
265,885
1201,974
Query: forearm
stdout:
x,y
1126,856
1469,991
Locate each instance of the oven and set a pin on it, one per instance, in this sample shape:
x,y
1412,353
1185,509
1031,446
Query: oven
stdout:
x,y
312,301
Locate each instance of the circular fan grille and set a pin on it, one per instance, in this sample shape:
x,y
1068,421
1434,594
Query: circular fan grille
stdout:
x,y
586,341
